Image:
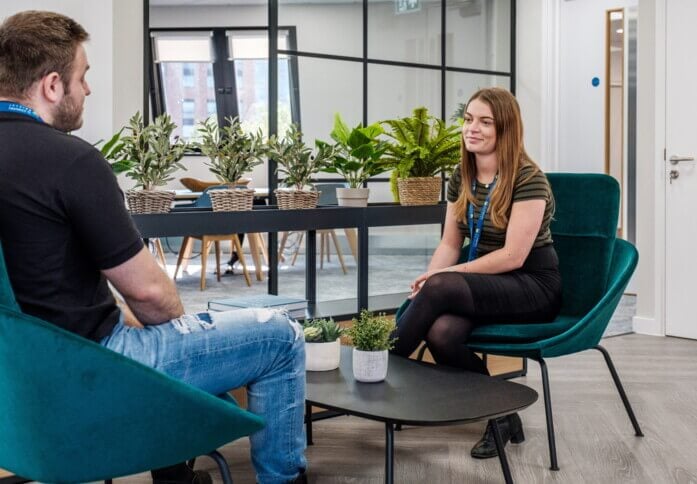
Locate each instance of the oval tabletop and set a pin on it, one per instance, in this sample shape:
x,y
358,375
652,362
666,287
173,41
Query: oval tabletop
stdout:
x,y
417,393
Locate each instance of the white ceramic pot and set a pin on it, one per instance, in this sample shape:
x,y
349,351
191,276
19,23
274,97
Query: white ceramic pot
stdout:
x,y
353,197
369,366
322,356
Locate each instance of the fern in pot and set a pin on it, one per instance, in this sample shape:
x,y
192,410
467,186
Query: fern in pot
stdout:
x,y
322,344
371,336
150,155
297,164
231,153
359,156
421,148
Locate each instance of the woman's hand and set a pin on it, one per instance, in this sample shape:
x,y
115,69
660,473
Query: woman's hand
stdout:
x,y
416,284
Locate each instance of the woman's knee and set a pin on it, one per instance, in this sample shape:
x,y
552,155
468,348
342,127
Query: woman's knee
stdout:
x,y
443,284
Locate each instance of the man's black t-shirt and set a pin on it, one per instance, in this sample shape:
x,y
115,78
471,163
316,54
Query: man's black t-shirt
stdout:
x,y
62,220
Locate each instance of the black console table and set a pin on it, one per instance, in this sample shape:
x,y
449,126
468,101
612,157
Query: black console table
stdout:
x,y
272,220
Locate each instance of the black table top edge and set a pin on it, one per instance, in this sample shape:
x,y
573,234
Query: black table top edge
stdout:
x,y
418,423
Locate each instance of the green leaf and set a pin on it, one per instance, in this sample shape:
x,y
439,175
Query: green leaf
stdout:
x,y
341,131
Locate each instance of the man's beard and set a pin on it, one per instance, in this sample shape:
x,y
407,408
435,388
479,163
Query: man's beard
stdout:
x,y
68,115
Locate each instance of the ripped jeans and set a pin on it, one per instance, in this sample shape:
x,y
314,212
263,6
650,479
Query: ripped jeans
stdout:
x,y
259,348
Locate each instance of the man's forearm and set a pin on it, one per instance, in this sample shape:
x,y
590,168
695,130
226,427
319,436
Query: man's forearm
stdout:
x,y
157,309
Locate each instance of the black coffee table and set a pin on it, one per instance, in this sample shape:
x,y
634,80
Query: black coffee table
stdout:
x,y
417,393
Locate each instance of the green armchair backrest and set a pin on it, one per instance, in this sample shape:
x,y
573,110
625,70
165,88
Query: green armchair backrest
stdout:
x,y
584,231
73,411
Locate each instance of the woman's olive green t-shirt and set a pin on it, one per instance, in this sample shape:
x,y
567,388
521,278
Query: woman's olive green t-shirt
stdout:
x,y
526,188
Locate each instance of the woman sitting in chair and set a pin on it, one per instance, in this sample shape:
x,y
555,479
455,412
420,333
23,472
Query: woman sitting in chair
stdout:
x,y
511,273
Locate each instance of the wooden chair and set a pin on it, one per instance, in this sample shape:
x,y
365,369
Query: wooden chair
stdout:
x,y
256,245
327,197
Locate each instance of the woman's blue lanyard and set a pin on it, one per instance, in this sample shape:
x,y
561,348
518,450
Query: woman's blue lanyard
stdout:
x,y
476,233
10,107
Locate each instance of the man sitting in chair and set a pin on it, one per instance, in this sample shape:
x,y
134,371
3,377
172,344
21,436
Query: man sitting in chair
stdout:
x,y
66,233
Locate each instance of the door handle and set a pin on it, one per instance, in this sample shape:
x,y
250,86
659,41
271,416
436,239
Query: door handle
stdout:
x,y
674,159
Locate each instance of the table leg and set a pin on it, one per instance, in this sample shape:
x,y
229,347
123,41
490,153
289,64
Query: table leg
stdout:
x,y
389,453
501,448
308,424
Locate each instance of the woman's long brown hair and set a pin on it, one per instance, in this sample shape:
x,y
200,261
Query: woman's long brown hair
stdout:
x,y
510,153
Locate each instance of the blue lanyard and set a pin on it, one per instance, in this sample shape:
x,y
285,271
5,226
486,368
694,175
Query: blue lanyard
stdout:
x,y
10,107
476,234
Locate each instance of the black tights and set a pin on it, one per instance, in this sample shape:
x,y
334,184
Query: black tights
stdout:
x,y
439,315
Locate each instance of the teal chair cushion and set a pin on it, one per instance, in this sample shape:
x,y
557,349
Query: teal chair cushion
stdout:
x,y
74,411
521,333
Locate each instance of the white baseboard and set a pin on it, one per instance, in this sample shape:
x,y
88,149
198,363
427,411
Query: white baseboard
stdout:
x,y
648,326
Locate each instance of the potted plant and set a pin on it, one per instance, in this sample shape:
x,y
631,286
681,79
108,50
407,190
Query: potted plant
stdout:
x,y
149,155
358,157
297,164
371,336
322,344
231,153
422,147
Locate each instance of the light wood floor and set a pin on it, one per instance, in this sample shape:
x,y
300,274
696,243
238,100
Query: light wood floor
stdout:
x,y
595,441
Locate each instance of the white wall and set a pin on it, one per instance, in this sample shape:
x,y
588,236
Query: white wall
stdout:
x,y
650,142
581,105
529,78
115,55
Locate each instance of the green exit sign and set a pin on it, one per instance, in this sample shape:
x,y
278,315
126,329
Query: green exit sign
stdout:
x,y
407,6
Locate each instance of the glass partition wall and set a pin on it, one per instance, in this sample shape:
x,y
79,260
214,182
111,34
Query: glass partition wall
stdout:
x,y
368,60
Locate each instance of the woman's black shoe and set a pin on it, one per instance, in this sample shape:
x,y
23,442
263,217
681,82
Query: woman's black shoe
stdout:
x,y
510,427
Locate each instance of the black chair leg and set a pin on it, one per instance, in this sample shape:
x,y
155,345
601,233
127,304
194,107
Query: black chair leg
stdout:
x,y
620,389
107,481
222,465
308,424
548,412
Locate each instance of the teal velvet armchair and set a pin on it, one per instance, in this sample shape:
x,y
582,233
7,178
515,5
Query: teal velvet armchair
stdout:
x,y
73,411
595,266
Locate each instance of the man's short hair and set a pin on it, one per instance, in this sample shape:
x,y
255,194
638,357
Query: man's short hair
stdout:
x,y
32,45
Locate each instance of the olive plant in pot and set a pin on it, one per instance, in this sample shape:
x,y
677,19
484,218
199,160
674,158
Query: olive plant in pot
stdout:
x,y
371,336
358,157
297,165
422,147
149,155
322,344
231,153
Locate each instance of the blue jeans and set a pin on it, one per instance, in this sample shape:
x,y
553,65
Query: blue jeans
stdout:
x,y
216,352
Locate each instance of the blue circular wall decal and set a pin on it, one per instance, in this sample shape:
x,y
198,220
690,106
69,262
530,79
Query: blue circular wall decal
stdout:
x,y
595,81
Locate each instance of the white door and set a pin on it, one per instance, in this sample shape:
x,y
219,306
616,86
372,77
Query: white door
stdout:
x,y
681,172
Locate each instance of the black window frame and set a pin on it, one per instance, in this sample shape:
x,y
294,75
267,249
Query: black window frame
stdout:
x,y
224,78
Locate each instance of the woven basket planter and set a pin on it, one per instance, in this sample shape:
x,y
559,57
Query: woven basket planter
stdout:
x,y
419,190
294,199
233,200
149,201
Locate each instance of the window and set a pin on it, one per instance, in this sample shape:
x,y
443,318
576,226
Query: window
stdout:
x,y
187,75
211,108
184,60
235,66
